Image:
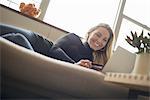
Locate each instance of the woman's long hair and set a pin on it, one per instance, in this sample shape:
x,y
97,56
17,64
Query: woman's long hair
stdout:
x,y
101,56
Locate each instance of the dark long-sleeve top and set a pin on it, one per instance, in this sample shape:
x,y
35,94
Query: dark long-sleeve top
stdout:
x,y
70,48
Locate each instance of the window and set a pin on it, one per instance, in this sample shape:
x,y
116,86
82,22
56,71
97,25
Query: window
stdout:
x,y
136,17
125,30
78,16
138,10
14,4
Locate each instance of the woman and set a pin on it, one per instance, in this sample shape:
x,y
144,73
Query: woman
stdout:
x,y
95,50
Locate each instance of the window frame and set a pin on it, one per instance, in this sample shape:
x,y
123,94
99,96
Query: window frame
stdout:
x,y
119,19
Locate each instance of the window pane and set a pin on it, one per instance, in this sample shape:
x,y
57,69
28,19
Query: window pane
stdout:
x,y
4,2
78,16
14,4
138,10
125,30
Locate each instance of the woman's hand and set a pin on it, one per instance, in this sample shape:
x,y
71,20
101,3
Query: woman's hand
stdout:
x,y
85,63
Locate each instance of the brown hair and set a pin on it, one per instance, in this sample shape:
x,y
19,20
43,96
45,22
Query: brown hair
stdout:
x,y
101,56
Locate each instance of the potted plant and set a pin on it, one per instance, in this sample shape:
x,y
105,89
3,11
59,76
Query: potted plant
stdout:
x,y
142,43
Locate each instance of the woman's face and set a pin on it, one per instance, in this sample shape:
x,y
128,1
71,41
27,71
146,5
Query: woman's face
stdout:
x,y
98,38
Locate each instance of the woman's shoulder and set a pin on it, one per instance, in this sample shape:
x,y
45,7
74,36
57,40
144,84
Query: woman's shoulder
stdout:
x,y
70,38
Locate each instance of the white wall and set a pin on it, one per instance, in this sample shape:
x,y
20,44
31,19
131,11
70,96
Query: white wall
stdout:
x,y
11,17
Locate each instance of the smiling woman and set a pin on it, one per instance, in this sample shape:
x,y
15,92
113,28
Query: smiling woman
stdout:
x,y
95,50
98,38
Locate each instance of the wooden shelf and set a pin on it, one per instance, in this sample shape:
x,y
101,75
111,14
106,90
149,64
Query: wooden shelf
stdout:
x,y
135,81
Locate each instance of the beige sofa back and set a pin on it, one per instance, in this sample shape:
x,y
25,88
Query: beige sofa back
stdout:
x,y
33,69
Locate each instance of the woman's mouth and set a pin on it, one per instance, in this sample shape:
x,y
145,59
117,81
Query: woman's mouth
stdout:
x,y
96,44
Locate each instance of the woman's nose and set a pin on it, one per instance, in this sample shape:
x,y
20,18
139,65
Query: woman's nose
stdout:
x,y
99,42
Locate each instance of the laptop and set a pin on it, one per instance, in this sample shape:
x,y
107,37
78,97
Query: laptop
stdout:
x,y
122,61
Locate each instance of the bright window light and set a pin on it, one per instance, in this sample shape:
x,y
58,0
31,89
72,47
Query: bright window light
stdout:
x,y
77,16
138,10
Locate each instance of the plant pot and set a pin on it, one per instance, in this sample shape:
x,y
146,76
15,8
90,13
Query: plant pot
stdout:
x,y
142,64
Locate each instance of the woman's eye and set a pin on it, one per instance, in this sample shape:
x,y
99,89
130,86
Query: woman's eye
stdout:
x,y
104,40
98,34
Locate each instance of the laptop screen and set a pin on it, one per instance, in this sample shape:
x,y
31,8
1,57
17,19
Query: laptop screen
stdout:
x,y
121,61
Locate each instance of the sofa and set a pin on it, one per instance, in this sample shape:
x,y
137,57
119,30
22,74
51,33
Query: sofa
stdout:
x,y
28,72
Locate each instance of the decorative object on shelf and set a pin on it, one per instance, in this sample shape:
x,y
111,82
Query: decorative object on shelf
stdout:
x,y
127,78
29,9
142,43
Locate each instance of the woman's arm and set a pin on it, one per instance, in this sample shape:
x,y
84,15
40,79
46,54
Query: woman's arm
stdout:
x,y
59,54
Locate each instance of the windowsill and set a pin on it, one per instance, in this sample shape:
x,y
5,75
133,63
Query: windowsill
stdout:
x,y
36,19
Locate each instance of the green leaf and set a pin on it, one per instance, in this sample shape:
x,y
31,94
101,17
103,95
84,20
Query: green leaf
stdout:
x,y
140,42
